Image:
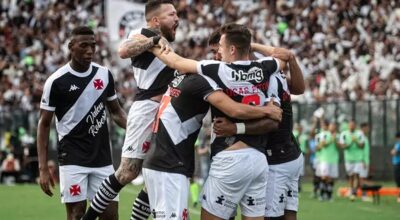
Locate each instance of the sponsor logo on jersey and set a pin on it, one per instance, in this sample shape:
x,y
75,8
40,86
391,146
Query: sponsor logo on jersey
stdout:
x,y
174,92
95,121
158,214
254,73
73,88
75,190
221,200
98,84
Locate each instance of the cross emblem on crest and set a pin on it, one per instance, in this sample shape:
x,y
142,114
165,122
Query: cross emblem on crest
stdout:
x,y
98,84
185,214
145,146
75,190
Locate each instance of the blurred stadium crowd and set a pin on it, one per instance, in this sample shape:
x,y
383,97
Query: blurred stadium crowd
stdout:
x,y
349,50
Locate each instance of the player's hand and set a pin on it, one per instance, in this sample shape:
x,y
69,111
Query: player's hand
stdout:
x,y
274,112
283,54
223,127
46,181
164,45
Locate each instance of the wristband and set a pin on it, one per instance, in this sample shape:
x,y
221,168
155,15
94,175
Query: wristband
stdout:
x,y
156,39
240,128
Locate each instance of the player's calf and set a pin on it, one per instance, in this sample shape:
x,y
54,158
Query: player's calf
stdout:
x,y
128,170
141,206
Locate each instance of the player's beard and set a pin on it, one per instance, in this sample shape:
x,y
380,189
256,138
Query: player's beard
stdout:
x,y
168,33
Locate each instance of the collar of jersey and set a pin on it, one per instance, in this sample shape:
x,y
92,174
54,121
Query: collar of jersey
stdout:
x,y
241,62
79,74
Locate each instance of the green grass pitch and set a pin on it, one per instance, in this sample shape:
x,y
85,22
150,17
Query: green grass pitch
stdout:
x,y
28,202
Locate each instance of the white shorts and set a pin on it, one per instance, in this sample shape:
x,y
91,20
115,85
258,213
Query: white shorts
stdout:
x,y
236,177
79,183
328,170
364,171
353,168
315,166
139,128
282,187
168,194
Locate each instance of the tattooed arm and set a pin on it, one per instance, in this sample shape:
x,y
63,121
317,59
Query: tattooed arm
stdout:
x,y
134,46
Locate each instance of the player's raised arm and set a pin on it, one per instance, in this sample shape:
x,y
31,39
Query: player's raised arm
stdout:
x,y
135,45
284,56
173,60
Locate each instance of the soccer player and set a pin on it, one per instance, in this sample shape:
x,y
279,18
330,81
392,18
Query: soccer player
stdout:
x,y
353,156
395,152
245,81
363,139
170,162
78,94
152,77
283,153
328,166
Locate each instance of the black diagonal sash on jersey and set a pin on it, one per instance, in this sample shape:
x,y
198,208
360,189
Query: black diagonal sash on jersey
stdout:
x,y
82,105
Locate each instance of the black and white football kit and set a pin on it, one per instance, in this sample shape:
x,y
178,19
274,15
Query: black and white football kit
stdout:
x,y
284,156
152,77
79,103
238,176
170,161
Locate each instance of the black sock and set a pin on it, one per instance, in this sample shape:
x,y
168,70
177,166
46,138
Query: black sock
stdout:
x,y
329,190
316,182
322,189
141,207
108,190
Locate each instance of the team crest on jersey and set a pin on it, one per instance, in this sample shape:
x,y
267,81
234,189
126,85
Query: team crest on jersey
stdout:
x,y
254,73
75,190
145,146
98,84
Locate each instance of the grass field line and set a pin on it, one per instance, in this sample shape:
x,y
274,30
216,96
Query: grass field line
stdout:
x,y
135,192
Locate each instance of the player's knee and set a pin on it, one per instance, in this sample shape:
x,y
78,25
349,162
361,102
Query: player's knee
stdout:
x,y
77,214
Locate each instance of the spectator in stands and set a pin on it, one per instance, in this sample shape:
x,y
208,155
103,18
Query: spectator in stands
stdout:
x,y
10,168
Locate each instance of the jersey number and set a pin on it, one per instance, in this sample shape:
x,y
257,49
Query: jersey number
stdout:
x,y
251,100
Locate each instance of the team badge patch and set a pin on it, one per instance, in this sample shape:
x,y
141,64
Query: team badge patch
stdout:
x,y
145,147
98,84
75,190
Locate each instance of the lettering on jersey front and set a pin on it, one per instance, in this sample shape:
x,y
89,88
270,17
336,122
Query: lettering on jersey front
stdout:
x,y
254,73
96,122
246,90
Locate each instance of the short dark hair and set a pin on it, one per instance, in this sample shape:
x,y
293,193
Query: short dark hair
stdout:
x,y
238,36
154,5
214,37
82,30
398,134
364,124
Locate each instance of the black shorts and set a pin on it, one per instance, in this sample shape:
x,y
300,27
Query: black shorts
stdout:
x,y
396,170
